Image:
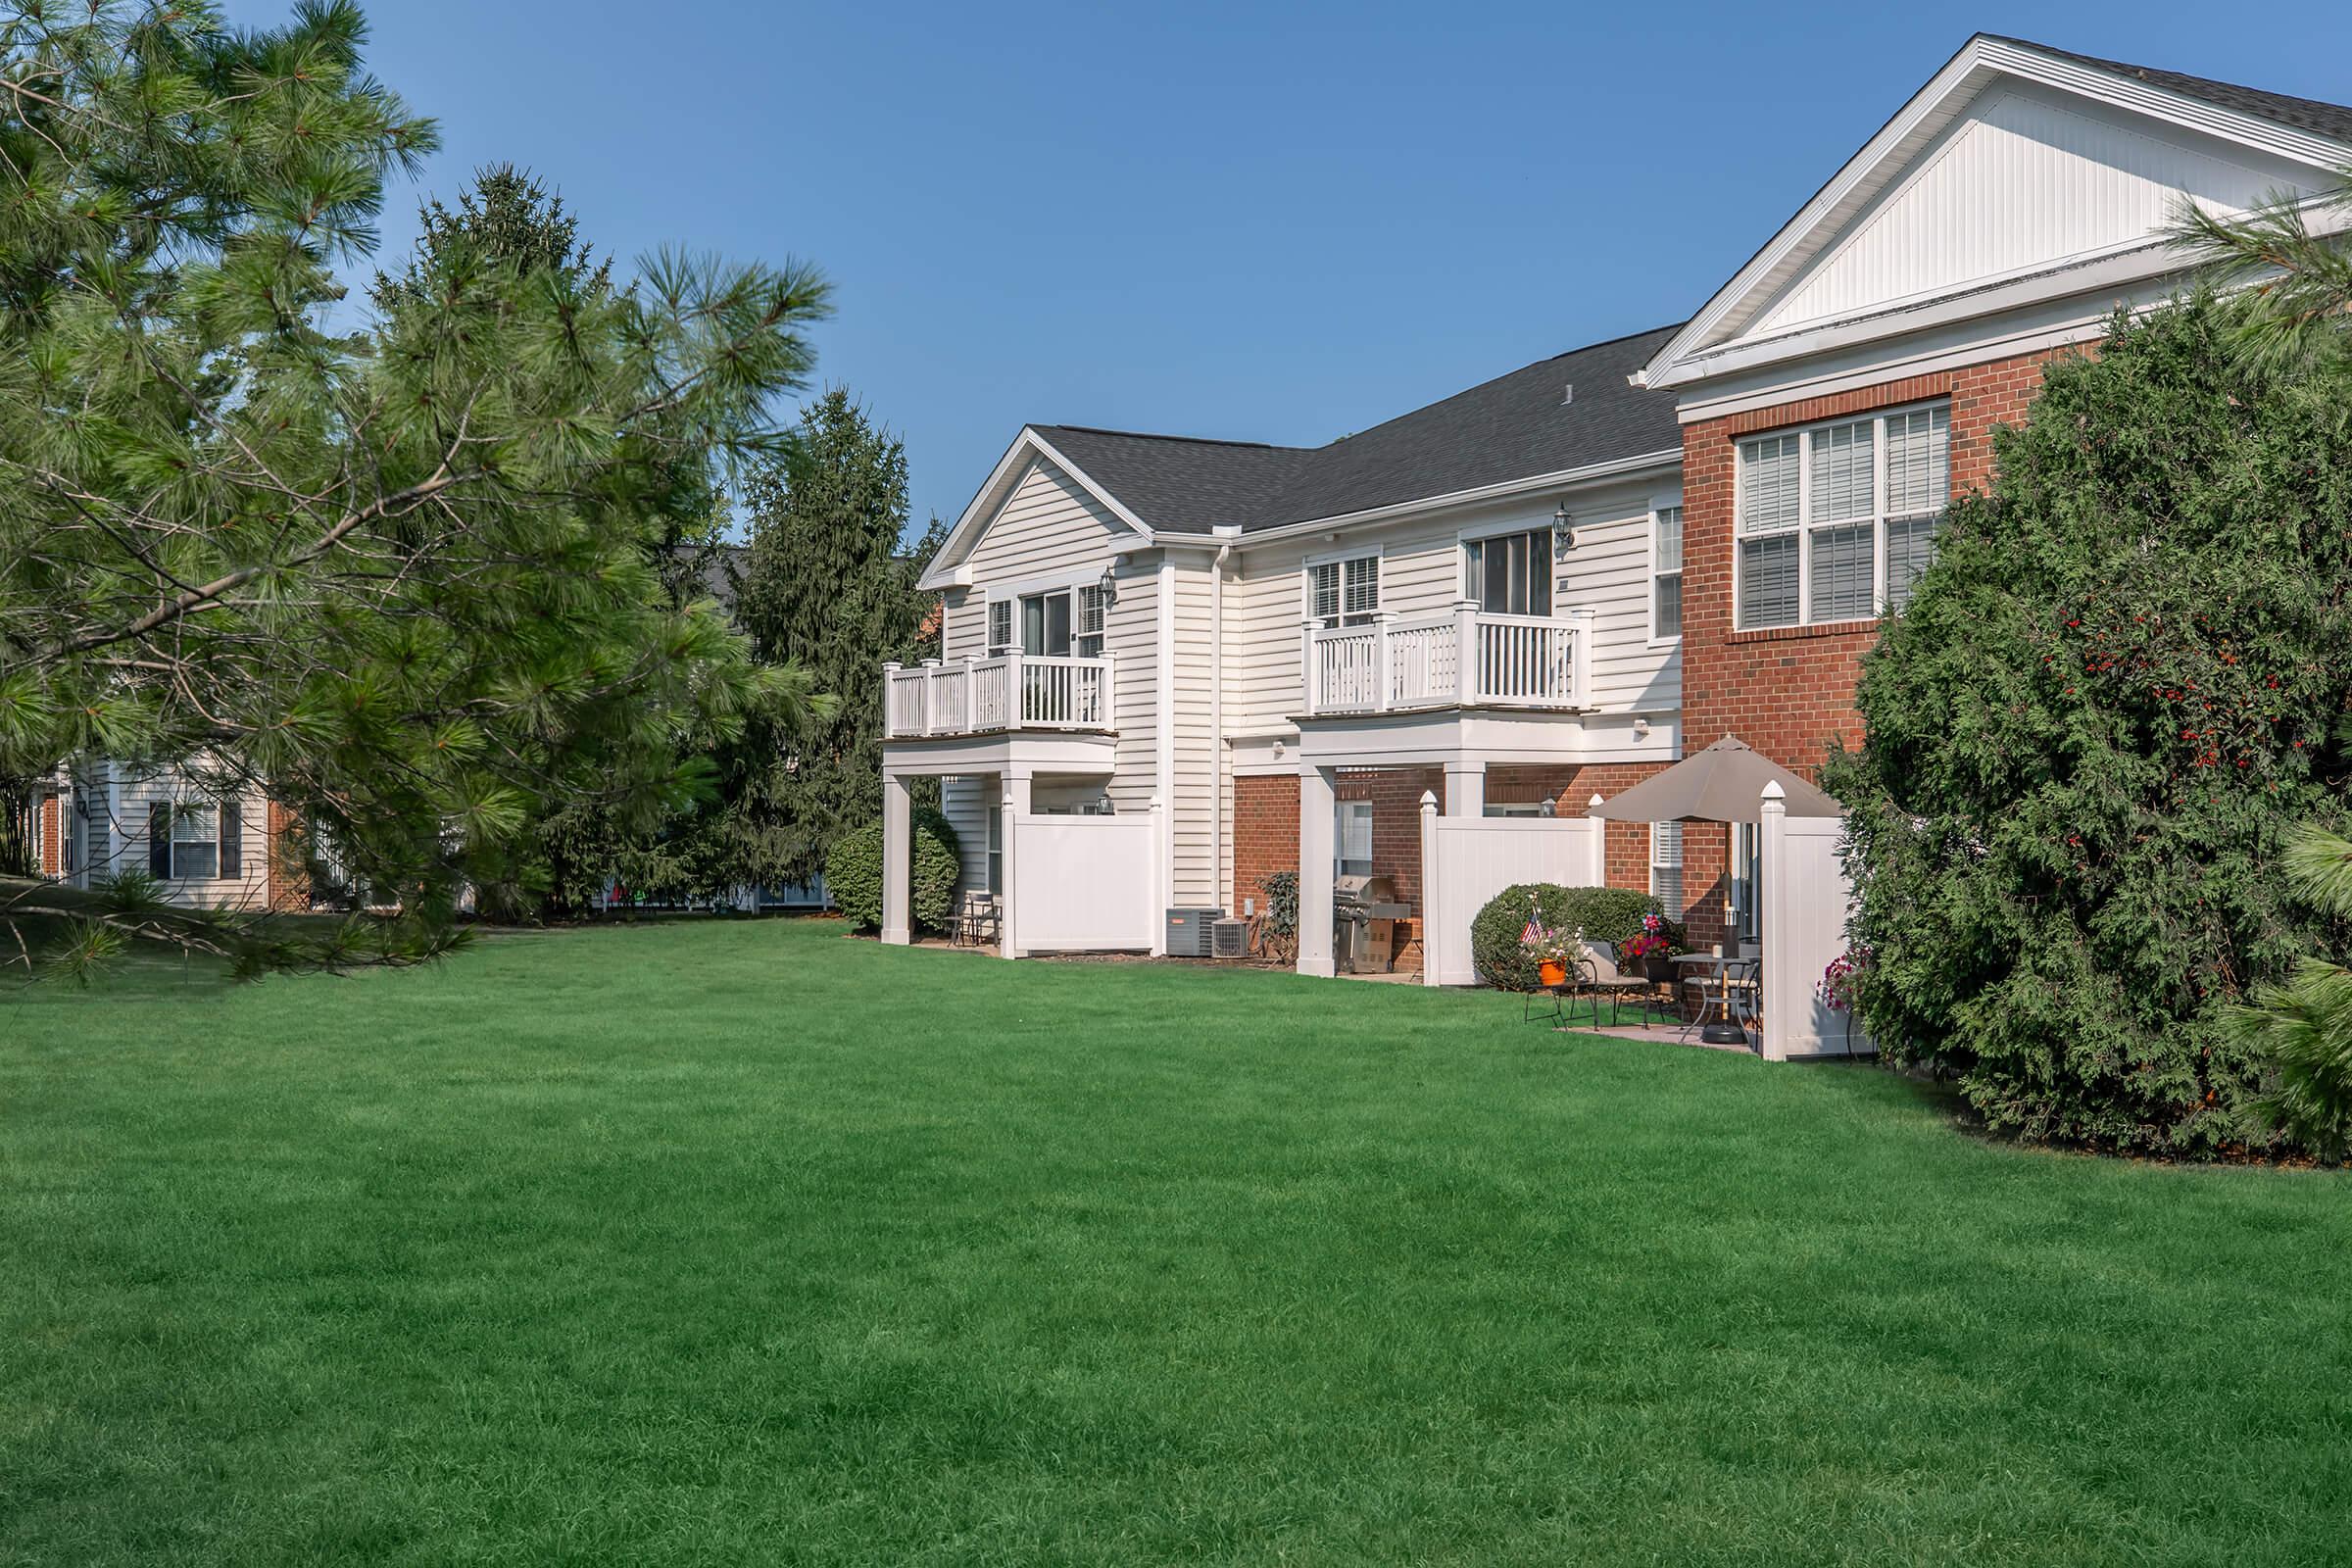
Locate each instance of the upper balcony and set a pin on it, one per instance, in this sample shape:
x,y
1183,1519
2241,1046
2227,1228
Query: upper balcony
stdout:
x,y
1003,692
1460,657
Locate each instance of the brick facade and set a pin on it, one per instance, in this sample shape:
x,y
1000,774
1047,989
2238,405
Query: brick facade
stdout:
x,y
52,834
289,888
1788,691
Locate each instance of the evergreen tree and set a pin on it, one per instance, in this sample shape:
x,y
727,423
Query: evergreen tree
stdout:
x,y
2110,697
403,582
827,576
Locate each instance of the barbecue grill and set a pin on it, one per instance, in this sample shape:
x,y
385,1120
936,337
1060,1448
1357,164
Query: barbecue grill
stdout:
x,y
1362,908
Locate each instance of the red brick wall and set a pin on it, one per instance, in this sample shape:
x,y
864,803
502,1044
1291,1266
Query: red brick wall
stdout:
x,y
53,848
1265,832
1395,796
289,889
1788,691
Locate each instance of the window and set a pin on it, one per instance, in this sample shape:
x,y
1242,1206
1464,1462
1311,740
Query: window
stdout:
x,y
1747,842
1513,809
1352,838
1509,573
195,852
1666,866
1045,624
1342,592
996,849
1837,522
999,625
1088,638
1666,574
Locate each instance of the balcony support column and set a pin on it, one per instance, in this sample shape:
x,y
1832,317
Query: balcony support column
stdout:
x,y
1465,664
1465,789
1317,807
897,851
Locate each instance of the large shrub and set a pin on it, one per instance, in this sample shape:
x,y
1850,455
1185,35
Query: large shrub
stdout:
x,y
1603,915
854,872
2083,740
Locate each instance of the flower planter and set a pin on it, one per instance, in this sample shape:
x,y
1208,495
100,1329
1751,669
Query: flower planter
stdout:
x,y
1553,973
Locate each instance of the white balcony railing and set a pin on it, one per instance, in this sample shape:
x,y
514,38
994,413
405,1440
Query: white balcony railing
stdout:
x,y
1005,691
1462,658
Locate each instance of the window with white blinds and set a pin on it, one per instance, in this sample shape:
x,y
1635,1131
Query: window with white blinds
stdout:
x,y
999,624
1666,575
1087,632
1343,592
1352,838
1837,521
1666,867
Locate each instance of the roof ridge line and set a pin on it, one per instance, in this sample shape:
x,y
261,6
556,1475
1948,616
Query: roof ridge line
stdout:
x,y
1157,435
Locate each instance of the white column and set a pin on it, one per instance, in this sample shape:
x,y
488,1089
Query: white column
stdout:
x,y
1772,924
1317,805
1465,789
1014,804
1382,672
890,668
930,696
897,853
1465,664
1161,896
1599,844
1429,888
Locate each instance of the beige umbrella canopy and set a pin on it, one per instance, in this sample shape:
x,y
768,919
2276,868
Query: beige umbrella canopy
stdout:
x,y
1725,783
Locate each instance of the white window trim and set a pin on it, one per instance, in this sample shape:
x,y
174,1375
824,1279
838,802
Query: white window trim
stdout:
x,y
189,808
1678,869
1806,526
1379,556
1659,503
1012,592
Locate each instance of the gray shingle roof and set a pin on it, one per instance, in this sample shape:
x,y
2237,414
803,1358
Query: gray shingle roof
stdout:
x,y
1515,426
2301,113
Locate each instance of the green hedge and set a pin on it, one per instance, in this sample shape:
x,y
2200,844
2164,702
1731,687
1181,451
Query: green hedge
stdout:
x,y
1604,915
854,872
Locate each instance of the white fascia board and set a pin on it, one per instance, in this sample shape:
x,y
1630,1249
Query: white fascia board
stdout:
x,y
1615,467
1979,63
946,567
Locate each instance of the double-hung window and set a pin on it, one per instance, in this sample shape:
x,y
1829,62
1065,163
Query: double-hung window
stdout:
x,y
195,842
1666,867
1666,574
1344,592
996,849
1837,521
1352,838
1509,573
999,625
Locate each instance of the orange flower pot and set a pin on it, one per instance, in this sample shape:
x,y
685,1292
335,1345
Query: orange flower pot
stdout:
x,y
1552,974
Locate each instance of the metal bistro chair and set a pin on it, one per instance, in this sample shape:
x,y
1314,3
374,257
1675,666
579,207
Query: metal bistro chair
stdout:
x,y
979,919
1605,979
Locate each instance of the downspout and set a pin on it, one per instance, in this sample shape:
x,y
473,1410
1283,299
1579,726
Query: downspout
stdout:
x,y
1164,721
1216,725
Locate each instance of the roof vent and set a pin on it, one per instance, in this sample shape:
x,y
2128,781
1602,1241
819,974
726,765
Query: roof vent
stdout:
x,y
1569,395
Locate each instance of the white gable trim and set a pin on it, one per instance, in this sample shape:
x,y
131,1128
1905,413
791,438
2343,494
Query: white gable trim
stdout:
x,y
1981,62
947,569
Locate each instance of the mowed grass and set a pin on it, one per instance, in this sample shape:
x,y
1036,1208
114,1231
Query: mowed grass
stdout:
x,y
745,1243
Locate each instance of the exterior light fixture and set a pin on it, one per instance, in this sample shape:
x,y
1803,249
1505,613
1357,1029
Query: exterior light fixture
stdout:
x,y
1563,533
1108,588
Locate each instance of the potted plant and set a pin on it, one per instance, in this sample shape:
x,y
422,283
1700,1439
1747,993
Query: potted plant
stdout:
x,y
1553,951
1652,949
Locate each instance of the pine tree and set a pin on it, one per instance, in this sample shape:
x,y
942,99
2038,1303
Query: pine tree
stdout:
x,y
828,577
403,580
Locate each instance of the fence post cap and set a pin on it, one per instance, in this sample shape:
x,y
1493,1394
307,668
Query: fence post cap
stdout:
x,y
1772,790
892,664
1594,800
1429,800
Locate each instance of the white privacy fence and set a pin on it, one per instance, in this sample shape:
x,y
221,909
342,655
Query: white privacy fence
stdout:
x,y
1461,657
1465,861
1005,691
1081,883
1802,901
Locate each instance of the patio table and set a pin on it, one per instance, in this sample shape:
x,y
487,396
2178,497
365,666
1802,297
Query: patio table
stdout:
x,y
1720,968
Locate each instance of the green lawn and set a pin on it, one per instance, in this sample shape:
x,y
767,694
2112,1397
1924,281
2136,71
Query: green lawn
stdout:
x,y
739,1242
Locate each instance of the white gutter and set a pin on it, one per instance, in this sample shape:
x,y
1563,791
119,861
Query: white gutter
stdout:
x,y
1216,719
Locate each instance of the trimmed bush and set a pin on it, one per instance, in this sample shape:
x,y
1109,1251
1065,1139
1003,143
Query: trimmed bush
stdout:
x,y
1603,915
854,872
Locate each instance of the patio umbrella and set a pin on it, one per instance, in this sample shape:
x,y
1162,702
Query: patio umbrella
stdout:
x,y
1725,783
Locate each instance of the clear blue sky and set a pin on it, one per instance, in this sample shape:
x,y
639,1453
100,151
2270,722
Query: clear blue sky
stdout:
x,y
1258,221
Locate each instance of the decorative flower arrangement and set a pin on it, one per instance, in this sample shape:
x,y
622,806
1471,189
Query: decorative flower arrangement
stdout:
x,y
1545,944
1842,977
1653,943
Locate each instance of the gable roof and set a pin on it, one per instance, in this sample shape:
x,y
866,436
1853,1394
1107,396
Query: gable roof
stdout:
x,y
2302,130
1517,427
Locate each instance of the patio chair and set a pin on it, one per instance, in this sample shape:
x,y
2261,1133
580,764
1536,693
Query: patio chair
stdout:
x,y
1606,979
977,919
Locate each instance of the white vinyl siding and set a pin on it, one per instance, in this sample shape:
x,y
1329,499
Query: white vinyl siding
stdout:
x,y
1836,521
